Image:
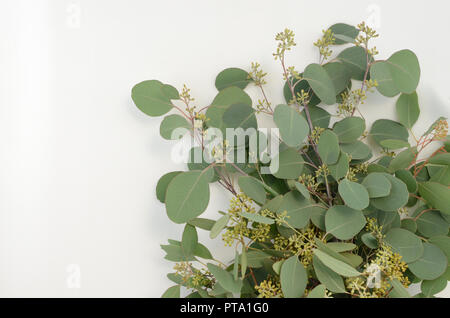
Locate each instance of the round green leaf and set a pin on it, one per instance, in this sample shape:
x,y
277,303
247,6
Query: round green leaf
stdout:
x,y
397,198
349,129
405,243
405,70
354,194
232,77
293,278
357,150
432,264
344,33
298,208
328,147
436,195
355,59
384,129
344,222
377,185
318,292
339,74
380,72
319,117
163,183
224,99
340,169
240,116
253,188
174,127
409,225
288,164
187,196
432,287
443,242
408,110
293,127
321,83
153,98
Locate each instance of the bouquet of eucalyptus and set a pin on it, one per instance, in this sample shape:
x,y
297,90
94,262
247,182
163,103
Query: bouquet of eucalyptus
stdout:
x,y
323,206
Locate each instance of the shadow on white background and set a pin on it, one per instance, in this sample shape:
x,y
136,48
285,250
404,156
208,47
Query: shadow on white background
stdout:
x,y
79,164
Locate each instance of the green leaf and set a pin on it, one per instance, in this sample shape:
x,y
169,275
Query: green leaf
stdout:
x,y
321,83
354,194
153,97
173,127
380,72
293,127
298,209
299,86
357,150
436,195
303,190
443,242
225,279
202,252
432,287
163,183
408,110
377,185
384,129
397,198
174,253
344,222
349,129
288,164
190,240
277,267
393,144
232,77
319,117
336,265
187,196
355,59
256,258
240,116
201,223
405,70
369,240
340,247
293,278
236,265
219,226
257,218
328,277
244,262
328,147
403,159
432,224
398,290
224,99
339,74
432,264
253,188
405,243
318,292
340,169
407,177
344,33
172,292
409,225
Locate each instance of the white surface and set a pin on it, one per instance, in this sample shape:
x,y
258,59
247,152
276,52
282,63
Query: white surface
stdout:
x,y
79,164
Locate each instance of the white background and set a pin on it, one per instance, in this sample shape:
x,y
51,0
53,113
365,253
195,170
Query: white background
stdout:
x,y
79,163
